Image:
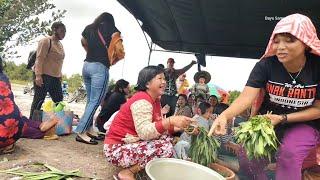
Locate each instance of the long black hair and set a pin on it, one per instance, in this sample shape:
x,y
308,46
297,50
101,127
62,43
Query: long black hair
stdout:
x,y
146,75
104,18
120,85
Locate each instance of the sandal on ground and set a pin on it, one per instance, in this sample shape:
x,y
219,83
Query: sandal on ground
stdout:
x,y
92,141
7,150
51,137
100,137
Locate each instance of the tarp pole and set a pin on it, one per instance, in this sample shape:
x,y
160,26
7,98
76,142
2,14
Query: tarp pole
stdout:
x,y
150,51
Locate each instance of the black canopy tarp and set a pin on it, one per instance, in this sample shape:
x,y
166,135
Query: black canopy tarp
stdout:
x,y
233,28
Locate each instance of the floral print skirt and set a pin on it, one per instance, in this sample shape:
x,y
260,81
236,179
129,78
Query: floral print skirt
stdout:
x,y
127,155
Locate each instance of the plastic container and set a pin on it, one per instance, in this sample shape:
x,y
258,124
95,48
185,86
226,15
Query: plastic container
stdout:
x,y
175,169
59,107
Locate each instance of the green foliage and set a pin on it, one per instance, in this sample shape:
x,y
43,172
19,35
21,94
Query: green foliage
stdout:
x,y
258,137
203,148
111,85
21,75
233,95
17,72
73,82
20,22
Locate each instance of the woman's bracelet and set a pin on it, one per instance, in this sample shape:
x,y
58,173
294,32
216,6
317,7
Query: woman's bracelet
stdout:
x,y
284,119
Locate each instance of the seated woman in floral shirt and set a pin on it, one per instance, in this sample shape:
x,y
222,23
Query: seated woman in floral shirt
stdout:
x,y
138,132
11,123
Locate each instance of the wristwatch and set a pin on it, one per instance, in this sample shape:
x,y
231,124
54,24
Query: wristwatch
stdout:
x,y
284,119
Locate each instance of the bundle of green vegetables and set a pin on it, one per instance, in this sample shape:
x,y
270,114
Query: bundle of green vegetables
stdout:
x,y
52,173
257,136
203,149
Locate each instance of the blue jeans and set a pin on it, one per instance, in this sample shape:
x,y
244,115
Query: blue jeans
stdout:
x,y
95,77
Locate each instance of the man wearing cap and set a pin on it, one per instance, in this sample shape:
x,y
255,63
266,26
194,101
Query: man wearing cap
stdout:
x,y
172,75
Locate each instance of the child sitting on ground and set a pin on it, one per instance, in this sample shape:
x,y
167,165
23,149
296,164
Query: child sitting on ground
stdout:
x,y
183,145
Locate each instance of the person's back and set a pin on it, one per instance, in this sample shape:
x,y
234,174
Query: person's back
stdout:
x,y
95,72
113,102
111,105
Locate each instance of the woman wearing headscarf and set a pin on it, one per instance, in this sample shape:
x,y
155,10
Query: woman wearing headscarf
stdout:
x,y
95,72
289,74
138,132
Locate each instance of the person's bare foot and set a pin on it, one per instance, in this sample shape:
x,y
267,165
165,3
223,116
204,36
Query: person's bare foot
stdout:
x,y
46,125
126,174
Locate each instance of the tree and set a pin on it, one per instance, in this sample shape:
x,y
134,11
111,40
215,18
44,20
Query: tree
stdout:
x,y
20,22
74,81
233,95
18,72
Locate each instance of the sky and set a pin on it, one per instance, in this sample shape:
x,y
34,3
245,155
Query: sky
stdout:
x,y
228,73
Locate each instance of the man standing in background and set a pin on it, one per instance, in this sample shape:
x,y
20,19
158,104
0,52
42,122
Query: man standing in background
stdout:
x,y
172,75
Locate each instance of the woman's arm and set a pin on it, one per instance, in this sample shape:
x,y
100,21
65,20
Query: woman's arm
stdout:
x,y
146,129
308,114
84,44
243,102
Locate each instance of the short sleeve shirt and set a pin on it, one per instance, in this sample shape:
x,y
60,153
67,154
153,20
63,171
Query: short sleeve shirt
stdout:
x,y
286,94
97,52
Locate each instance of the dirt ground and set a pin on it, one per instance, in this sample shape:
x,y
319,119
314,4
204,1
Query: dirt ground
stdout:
x,y
64,153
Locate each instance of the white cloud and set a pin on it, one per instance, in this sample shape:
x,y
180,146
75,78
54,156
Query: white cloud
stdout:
x,y
229,73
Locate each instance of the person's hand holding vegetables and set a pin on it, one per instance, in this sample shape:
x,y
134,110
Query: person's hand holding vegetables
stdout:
x,y
180,121
275,119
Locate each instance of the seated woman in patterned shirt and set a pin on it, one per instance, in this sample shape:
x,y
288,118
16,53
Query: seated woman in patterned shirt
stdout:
x,y
11,123
138,132
183,107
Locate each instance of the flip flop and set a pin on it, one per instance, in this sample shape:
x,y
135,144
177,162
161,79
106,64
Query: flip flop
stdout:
x,y
51,137
92,141
7,150
116,177
100,137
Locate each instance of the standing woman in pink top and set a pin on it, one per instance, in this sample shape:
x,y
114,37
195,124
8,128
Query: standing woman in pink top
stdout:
x,y
289,75
138,132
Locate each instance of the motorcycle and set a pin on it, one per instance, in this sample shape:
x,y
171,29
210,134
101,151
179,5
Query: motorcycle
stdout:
x,y
28,89
79,95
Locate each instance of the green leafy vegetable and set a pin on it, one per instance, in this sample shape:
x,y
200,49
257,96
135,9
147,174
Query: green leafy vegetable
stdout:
x,y
257,136
203,149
